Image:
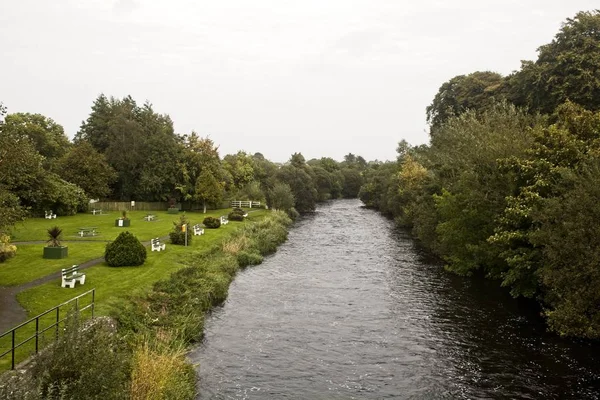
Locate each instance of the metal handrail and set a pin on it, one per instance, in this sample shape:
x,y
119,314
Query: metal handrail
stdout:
x,y
37,324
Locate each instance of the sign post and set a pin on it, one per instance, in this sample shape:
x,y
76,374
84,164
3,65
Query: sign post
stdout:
x,y
184,229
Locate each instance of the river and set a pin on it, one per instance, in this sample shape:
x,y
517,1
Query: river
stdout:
x,y
349,308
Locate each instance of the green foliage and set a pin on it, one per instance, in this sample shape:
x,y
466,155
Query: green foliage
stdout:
x,y
7,250
236,216
281,197
477,91
54,236
90,362
87,168
139,144
245,258
566,68
212,222
125,250
11,211
177,235
297,174
47,137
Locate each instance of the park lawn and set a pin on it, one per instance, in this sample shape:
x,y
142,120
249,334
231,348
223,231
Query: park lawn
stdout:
x,y
113,285
28,264
35,229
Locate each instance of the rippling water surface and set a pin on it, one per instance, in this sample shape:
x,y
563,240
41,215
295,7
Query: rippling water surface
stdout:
x,y
349,308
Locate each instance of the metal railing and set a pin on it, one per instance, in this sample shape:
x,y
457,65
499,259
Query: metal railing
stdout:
x,y
40,331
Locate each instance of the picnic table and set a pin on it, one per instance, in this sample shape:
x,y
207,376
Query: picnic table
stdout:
x,y
88,231
149,217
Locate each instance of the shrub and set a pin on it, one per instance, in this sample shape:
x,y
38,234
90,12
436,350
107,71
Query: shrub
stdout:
x,y
178,235
235,216
238,210
161,372
86,362
126,250
245,258
212,222
7,250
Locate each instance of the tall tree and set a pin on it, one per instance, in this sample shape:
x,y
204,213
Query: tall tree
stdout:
x,y
47,136
568,68
476,91
87,168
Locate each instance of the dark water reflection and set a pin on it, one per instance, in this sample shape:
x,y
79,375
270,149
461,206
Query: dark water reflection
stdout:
x,y
349,308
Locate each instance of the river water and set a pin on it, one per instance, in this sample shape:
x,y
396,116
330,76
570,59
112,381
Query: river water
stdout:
x,y
349,308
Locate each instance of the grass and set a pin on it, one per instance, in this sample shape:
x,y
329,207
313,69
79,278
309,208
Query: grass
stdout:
x,y
29,265
34,229
113,285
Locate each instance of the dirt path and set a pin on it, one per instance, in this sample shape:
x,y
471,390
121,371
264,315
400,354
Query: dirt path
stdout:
x,y
11,312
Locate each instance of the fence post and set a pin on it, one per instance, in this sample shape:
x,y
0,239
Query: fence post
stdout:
x,y
57,319
13,350
37,333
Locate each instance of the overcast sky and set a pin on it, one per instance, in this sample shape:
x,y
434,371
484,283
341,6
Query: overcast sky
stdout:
x,y
321,77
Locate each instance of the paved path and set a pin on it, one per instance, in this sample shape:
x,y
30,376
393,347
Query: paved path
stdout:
x,y
11,312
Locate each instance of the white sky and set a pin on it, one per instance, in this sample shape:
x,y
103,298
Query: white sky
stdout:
x,y
321,77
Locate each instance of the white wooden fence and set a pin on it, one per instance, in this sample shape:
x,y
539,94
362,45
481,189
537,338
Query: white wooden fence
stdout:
x,y
245,203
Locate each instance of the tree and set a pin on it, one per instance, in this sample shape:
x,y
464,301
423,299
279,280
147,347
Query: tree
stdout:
x,y
88,169
47,137
139,144
282,197
240,166
208,189
566,69
297,174
475,91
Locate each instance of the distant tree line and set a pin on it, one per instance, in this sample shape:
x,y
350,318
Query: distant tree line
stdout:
x,y
509,185
124,151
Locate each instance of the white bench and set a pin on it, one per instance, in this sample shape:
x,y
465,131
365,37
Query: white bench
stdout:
x,y
49,214
72,275
94,211
149,217
157,245
224,220
198,230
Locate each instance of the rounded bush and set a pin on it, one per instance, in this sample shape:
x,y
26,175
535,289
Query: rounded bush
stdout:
x,y
235,216
245,258
212,222
7,250
126,250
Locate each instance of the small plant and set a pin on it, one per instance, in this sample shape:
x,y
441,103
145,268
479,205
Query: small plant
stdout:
x,y
124,215
126,250
54,237
178,235
7,250
237,214
212,222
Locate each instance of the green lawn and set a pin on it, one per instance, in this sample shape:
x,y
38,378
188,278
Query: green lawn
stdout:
x,y
113,285
34,229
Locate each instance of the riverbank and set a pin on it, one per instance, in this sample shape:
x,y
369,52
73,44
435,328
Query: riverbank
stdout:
x,y
163,321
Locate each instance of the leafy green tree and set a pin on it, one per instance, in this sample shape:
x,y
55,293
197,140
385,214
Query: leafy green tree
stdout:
x,y
87,168
566,68
282,197
208,189
352,182
240,166
475,91
47,137
139,144
297,174
568,237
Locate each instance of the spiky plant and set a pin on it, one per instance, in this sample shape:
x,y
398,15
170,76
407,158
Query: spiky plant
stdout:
x,y
54,235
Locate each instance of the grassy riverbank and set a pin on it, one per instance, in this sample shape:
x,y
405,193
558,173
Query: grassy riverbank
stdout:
x,y
158,322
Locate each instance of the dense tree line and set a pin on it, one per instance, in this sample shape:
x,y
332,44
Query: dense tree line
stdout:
x,y
124,151
509,184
